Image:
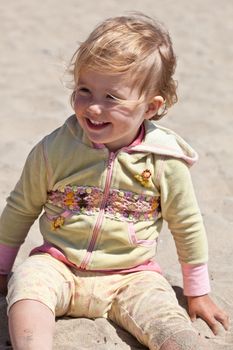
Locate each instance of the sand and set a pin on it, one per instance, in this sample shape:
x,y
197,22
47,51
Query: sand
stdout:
x,y
37,39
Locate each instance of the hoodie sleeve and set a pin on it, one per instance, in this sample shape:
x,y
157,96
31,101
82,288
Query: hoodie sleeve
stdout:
x,y
23,207
180,210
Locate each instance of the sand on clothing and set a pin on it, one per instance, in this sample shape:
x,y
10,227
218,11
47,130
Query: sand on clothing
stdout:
x,y
37,39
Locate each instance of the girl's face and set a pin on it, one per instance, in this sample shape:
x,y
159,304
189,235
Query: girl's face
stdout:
x,y
103,118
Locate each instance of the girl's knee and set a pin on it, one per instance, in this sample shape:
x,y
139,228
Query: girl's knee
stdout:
x,y
31,325
37,279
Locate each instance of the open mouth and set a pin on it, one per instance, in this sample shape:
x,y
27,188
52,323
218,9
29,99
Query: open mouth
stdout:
x,y
96,124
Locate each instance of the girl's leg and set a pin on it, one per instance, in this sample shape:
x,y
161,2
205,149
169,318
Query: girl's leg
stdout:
x,y
39,289
147,308
31,325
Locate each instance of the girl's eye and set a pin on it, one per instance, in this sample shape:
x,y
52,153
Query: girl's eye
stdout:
x,y
84,91
112,98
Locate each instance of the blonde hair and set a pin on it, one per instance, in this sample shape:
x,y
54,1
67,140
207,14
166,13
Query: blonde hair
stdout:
x,y
136,45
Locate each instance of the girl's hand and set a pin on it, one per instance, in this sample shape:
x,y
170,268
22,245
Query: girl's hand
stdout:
x,y
3,284
204,307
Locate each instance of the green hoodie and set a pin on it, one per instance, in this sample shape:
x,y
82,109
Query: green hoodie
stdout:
x,y
103,210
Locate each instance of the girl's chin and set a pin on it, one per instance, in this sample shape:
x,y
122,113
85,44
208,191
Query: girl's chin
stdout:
x,y
96,138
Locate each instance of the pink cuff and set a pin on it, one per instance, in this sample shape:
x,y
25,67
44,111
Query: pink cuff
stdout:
x,y
195,279
7,258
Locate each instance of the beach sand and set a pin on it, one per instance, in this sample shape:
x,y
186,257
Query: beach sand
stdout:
x,y
37,40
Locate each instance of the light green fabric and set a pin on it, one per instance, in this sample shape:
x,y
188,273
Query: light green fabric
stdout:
x,y
66,157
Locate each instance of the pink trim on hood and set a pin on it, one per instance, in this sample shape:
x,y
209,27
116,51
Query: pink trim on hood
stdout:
x,y
167,151
167,143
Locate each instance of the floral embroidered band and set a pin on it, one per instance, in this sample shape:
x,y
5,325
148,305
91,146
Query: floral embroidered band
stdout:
x,y
120,205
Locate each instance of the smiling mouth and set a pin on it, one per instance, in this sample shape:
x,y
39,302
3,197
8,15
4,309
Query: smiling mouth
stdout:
x,y
96,124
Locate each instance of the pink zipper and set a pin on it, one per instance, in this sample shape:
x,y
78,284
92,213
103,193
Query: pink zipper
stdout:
x,y
100,217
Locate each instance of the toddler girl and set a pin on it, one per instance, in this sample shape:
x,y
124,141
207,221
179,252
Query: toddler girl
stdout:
x,y
104,182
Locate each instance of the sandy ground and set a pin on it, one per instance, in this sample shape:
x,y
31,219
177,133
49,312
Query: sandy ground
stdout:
x,y
37,39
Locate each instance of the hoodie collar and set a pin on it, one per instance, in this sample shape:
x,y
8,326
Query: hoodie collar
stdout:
x,y
163,141
151,139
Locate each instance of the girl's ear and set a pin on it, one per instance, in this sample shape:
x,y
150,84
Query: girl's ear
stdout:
x,y
153,106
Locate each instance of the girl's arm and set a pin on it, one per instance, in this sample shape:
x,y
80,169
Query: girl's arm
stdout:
x,y
181,211
24,205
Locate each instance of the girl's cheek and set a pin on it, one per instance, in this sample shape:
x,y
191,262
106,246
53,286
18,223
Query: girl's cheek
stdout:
x,y
78,104
81,101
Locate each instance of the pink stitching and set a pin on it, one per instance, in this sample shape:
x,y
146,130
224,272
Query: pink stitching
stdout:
x,y
133,238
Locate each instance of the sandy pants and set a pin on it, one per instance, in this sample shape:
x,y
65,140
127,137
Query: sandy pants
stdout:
x,y
143,303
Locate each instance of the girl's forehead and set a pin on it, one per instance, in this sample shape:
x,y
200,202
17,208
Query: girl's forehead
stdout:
x,y
101,79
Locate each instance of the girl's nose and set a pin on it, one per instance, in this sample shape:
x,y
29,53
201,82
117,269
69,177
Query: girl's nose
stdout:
x,y
94,109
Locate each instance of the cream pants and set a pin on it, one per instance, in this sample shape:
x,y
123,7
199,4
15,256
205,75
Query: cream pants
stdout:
x,y
143,303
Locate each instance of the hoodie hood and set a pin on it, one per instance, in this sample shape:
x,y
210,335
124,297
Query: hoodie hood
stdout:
x,y
162,141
